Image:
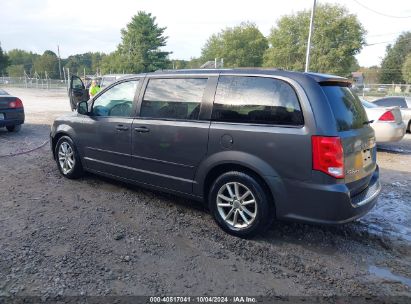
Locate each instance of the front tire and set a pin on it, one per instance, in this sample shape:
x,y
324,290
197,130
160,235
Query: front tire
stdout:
x,y
240,204
67,158
15,128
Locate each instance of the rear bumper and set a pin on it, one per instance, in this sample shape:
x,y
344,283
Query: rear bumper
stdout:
x,y
12,117
388,132
327,204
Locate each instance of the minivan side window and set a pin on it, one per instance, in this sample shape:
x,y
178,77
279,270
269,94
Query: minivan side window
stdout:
x,y
116,101
256,100
175,98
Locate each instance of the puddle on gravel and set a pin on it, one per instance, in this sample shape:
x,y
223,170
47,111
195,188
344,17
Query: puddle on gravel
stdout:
x,y
394,149
391,215
386,274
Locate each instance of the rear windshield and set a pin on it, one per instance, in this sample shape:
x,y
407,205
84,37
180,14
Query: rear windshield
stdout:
x,y
368,104
346,106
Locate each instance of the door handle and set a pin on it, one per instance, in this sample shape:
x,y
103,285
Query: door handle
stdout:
x,y
121,128
141,129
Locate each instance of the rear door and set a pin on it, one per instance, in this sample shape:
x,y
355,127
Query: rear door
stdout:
x,y
169,136
260,119
357,136
77,92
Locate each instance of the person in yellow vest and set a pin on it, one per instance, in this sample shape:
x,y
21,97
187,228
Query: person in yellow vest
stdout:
x,y
94,89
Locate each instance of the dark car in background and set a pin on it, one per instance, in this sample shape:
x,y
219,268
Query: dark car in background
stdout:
x,y
11,112
254,145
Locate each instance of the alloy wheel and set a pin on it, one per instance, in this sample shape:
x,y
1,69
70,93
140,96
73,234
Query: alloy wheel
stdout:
x,y
236,205
66,157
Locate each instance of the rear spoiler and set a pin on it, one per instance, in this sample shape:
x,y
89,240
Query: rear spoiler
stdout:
x,y
329,80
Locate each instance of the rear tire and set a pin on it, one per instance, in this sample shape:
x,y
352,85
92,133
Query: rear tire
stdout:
x,y
409,127
15,128
240,204
67,158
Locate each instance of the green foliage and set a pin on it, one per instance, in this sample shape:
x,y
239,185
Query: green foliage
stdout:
x,y
178,64
355,66
394,59
240,46
338,36
371,74
4,61
406,69
194,63
88,62
140,49
24,58
15,70
47,63
113,63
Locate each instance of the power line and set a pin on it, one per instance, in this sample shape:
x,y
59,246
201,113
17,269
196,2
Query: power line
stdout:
x,y
386,34
379,13
382,42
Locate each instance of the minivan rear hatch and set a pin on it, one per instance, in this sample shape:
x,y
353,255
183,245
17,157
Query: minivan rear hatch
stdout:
x,y
357,137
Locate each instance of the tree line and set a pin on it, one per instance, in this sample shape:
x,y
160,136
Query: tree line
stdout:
x,y
338,37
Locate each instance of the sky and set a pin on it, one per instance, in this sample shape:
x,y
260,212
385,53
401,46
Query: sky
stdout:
x,y
80,26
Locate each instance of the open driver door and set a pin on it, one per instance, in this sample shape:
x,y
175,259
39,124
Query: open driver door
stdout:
x,y
77,92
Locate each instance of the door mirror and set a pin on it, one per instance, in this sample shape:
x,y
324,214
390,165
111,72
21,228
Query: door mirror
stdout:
x,y
82,107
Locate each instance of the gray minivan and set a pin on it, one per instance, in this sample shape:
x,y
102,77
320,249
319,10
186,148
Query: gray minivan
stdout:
x,y
254,144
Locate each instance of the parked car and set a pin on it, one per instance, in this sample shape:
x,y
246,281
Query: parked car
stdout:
x,y
403,103
381,89
108,79
255,145
386,122
11,112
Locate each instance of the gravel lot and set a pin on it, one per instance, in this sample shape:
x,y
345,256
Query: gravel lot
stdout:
x,y
95,236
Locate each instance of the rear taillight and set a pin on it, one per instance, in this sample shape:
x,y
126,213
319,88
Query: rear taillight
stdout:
x,y
328,155
387,116
15,104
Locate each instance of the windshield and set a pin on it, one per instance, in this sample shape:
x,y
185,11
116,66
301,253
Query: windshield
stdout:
x,y
346,107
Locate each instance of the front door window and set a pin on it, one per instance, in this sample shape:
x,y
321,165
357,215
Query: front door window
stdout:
x,y
117,101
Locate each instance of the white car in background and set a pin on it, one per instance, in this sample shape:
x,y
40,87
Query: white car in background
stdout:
x,y
386,122
403,103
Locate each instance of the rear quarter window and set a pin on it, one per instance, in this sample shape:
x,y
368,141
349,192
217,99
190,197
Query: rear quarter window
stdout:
x,y
256,100
346,107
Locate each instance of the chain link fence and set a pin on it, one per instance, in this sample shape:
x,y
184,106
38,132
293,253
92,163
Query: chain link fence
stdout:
x,y
376,91
37,83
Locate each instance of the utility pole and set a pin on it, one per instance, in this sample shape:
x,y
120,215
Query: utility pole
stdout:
x,y
307,58
64,75
58,52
